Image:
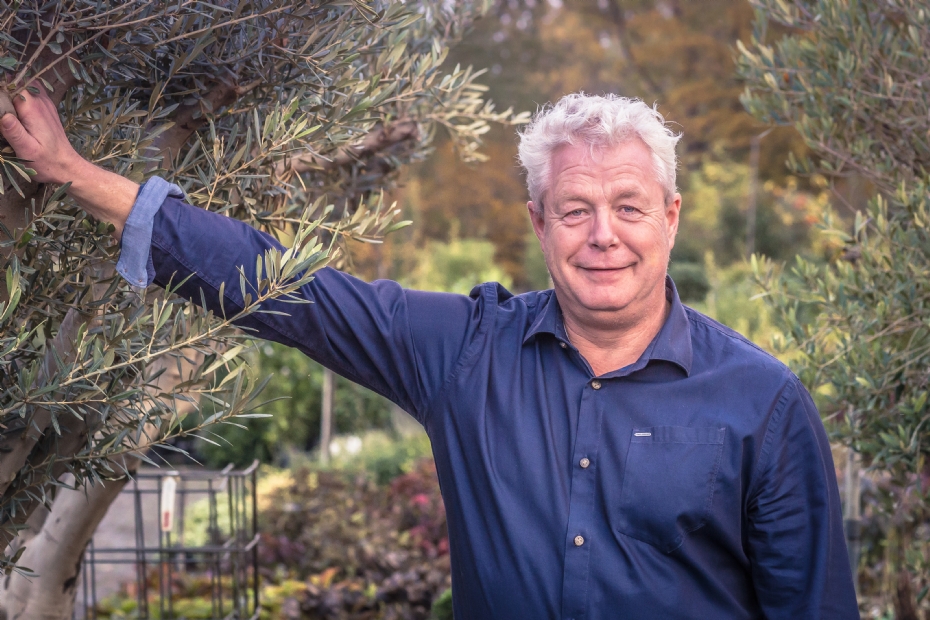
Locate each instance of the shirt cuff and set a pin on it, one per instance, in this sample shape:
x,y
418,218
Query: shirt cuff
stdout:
x,y
135,259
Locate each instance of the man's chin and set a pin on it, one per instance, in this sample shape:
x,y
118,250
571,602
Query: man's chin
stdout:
x,y
604,304
594,297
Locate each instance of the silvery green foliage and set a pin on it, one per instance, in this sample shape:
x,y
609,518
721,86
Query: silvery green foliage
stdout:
x,y
854,79
291,115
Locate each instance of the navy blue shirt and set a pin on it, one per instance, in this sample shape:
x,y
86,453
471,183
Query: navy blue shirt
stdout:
x,y
695,483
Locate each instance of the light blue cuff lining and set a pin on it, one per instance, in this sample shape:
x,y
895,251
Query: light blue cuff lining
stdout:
x,y
135,259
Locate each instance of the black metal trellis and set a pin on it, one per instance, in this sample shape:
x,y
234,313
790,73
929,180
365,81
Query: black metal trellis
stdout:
x,y
228,559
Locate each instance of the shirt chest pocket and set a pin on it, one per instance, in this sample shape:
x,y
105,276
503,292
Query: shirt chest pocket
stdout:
x,y
668,483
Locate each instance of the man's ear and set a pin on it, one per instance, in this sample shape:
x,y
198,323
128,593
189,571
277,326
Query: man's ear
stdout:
x,y
537,218
672,217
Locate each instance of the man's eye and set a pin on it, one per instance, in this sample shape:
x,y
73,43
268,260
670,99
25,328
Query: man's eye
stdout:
x,y
575,213
629,210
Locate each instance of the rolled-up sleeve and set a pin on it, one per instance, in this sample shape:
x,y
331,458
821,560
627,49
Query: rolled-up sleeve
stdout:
x,y
135,259
800,566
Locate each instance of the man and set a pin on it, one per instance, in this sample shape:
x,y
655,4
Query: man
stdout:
x,y
603,451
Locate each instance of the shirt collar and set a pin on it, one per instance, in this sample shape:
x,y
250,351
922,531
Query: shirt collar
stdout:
x,y
671,344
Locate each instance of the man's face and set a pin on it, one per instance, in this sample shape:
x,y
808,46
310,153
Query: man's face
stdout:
x,y
606,232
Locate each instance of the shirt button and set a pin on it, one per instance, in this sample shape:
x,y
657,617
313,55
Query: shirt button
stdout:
x,y
579,540
584,463
596,384
563,345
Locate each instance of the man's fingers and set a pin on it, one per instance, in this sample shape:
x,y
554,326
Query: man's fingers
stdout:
x,y
32,111
14,133
12,129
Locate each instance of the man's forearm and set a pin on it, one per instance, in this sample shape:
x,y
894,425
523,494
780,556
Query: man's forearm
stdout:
x,y
105,195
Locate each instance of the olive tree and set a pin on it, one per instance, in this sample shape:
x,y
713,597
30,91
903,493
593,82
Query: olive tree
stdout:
x,y
292,115
853,77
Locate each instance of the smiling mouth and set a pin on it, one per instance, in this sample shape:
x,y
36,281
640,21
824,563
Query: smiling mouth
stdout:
x,y
603,275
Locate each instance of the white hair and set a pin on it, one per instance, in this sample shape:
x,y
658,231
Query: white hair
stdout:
x,y
597,122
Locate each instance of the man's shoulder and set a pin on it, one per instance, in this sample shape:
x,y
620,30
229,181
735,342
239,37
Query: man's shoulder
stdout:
x,y
504,313
743,375
717,344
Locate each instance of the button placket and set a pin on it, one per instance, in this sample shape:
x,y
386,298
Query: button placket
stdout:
x,y
578,545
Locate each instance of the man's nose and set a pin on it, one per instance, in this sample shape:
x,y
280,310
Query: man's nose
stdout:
x,y
603,232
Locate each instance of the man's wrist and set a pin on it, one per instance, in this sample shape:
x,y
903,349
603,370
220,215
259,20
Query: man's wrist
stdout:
x,y
75,170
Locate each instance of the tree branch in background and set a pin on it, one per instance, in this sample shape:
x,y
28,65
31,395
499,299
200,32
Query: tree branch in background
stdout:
x,y
189,118
615,10
379,139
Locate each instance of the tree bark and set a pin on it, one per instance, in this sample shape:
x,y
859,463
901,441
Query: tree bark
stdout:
x,y
326,415
187,119
904,600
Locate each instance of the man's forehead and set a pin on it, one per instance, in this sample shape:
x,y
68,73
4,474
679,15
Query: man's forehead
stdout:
x,y
626,159
596,153
568,186
619,176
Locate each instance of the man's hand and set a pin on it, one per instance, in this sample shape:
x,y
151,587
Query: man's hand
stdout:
x,y
38,137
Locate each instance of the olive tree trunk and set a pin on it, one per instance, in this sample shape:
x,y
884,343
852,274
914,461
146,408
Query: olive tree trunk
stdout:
x,y
56,552
55,539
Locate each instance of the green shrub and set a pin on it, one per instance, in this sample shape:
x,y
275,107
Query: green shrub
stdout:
x,y
442,606
381,455
690,280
